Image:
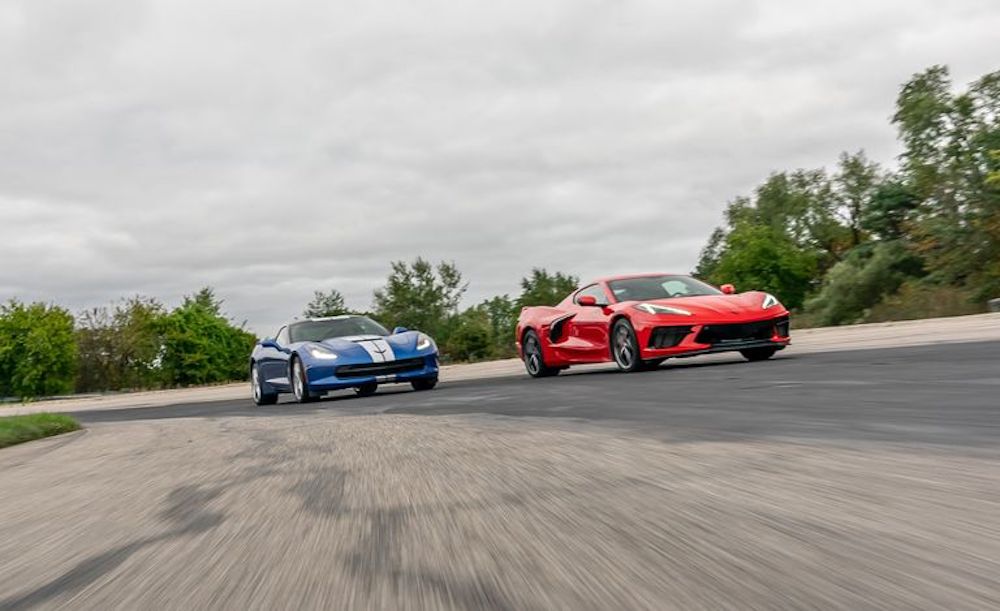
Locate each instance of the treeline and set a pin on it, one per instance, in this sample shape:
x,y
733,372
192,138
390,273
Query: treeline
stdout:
x,y
137,343
133,344
868,243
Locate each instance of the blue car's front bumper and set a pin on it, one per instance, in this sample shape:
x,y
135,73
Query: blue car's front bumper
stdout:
x,y
323,377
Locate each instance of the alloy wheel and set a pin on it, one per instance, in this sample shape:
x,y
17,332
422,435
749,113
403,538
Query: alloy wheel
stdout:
x,y
624,350
534,360
297,386
255,384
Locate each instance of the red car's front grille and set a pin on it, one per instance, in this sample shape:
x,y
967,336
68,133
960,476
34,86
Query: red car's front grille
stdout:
x,y
765,329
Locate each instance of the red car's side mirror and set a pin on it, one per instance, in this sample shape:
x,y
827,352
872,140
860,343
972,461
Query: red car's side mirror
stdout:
x,y
728,289
587,300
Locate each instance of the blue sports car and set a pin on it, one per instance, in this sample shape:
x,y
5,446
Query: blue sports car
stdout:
x,y
310,357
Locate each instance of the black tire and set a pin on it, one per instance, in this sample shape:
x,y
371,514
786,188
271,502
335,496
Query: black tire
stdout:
x,y
624,347
257,392
534,360
424,383
758,354
651,364
366,390
300,383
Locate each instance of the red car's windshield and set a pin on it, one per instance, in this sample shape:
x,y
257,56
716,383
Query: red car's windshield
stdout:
x,y
647,288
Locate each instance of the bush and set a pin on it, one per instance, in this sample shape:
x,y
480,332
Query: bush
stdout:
x,y
920,299
200,346
119,347
866,275
37,350
471,338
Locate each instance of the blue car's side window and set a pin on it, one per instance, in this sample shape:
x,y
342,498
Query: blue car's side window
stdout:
x,y
282,337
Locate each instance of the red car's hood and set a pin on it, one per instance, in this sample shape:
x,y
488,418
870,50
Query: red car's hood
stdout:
x,y
721,308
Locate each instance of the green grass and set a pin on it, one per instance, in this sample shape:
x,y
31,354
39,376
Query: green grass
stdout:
x,y
18,429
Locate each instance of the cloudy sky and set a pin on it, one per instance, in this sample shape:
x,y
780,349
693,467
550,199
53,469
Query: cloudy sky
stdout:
x,y
273,148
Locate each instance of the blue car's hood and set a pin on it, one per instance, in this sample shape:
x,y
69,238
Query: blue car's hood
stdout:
x,y
399,342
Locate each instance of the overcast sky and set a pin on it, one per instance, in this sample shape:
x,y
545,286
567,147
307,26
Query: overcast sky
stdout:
x,y
273,148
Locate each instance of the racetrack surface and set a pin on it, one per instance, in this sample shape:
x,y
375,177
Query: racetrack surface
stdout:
x,y
854,480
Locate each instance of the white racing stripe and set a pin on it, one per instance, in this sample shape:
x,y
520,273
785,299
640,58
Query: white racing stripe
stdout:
x,y
378,349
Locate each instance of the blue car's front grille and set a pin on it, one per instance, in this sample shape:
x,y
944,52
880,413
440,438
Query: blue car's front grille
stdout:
x,y
365,370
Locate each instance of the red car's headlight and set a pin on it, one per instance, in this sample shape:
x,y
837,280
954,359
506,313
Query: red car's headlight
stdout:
x,y
652,308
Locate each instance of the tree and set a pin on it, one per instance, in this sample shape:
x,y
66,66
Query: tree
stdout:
x,y
471,337
544,289
200,345
502,314
865,277
326,304
948,138
890,210
120,346
37,350
762,258
420,296
855,185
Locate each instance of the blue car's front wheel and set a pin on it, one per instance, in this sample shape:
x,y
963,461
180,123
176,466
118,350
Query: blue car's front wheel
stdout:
x,y
366,390
424,383
257,390
300,385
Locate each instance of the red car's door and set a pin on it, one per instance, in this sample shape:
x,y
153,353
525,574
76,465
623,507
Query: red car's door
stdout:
x,y
587,331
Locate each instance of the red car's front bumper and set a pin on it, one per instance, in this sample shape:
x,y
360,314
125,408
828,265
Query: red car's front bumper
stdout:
x,y
657,340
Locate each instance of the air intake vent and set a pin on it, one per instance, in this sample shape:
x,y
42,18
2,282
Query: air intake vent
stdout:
x,y
667,337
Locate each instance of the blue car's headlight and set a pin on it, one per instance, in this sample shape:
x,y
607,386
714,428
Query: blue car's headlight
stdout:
x,y
424,342
319,352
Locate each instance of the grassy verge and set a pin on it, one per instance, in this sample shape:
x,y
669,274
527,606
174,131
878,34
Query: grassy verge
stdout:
x,y
18,429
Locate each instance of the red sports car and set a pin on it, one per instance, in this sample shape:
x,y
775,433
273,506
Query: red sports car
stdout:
x,y
639,321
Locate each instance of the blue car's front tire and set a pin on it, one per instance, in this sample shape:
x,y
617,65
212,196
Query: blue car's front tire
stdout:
x,y
300,384
366,390
424,383
260,395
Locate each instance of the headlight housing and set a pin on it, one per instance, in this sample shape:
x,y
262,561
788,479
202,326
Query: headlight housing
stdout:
x,y
321,353
424,342
653,308
769,301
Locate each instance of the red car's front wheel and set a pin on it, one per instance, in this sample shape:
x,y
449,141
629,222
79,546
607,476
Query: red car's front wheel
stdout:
x,y
624,347
534,360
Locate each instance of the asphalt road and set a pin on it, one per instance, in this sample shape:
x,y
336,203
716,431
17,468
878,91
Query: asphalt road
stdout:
x,y
867,479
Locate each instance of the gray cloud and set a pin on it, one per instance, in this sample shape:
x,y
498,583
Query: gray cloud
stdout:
x,y
271,149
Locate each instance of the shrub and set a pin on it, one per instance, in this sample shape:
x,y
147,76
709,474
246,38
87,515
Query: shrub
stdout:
x,y
37,350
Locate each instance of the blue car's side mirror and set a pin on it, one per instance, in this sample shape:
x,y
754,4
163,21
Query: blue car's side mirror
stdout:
x,y
268,343
399,330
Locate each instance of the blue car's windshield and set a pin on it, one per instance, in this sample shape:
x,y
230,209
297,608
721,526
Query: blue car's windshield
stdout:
x,y
646,288
318,330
